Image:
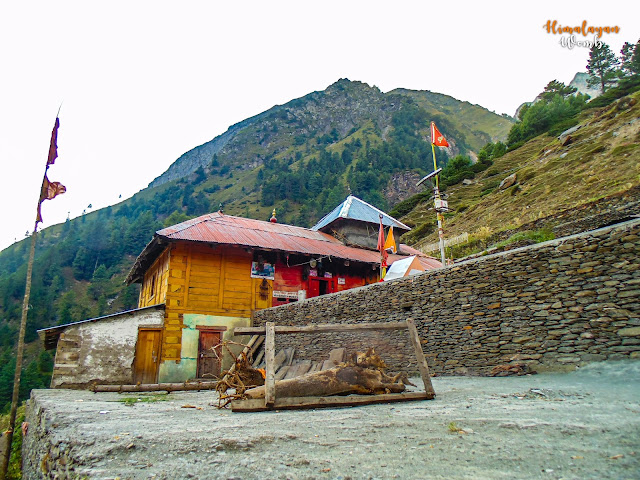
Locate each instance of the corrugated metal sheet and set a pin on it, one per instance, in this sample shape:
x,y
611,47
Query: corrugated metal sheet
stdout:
x,y
246,232
357,209
226,229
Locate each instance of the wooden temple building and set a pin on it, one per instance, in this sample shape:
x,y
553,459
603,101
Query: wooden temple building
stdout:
x,y
203,277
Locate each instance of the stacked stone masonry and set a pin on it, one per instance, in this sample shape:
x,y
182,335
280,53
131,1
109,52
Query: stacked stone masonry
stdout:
x,y
554,305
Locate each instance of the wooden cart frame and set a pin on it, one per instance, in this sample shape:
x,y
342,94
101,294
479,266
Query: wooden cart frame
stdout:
x,y
270,402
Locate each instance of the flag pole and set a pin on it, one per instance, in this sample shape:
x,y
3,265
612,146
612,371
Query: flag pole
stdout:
x,y
45,194
437,203
19,356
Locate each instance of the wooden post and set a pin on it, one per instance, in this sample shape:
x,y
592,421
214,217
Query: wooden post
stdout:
x,y
422,362
270,380
19,355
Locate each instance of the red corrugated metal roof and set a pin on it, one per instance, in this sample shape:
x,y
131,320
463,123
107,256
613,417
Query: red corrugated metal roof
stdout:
x,y
229,230
226,229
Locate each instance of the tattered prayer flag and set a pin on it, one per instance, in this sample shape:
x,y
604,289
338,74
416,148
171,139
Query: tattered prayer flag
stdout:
x,y
53,147
50,190
390,243
437,138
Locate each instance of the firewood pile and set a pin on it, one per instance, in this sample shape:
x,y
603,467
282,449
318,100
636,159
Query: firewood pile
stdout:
x,y
336,381
362,373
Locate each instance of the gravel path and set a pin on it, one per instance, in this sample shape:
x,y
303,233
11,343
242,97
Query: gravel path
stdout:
x,y
584,424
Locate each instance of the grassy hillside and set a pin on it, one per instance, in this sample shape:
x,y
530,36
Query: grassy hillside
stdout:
x,y
602,158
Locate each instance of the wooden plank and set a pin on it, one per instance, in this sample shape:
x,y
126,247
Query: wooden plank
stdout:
x,y
298,369
338,355
270,381
422,362
187,276
322,328
279,360
282,372
209,292
290,352
257,405
258,359
303,367
315,367
327,364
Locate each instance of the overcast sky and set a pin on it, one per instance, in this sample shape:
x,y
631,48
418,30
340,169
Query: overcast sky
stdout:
x,y
140,82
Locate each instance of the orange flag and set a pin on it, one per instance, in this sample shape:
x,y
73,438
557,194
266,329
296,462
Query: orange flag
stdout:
x,y
437,138
390,243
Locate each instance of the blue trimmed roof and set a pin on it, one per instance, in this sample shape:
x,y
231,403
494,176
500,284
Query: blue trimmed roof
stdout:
x,y
357,209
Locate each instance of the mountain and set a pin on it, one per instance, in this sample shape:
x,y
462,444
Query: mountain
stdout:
x,y
345,111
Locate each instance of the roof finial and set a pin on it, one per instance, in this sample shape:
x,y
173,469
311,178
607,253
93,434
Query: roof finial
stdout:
x,y
273,218
220,209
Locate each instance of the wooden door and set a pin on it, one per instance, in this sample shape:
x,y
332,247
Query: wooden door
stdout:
x,y
147,358
209,354
319,286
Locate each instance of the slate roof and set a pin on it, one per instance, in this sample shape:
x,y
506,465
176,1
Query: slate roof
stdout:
x,y
355,209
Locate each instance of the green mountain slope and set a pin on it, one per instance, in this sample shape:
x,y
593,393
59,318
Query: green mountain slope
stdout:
x,y
601,159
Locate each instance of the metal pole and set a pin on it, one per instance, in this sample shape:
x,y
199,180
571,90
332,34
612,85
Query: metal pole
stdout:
x,y
436,206
440,218
16,378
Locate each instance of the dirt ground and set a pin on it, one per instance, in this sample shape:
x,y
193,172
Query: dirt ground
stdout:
x,y
579,425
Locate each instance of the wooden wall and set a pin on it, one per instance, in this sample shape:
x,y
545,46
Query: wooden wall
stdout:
x,y
154,284
209,280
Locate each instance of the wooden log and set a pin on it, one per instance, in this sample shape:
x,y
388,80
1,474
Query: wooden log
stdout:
x,y
270,380
156,387
422,362
255,341
322,328
342,380
257,405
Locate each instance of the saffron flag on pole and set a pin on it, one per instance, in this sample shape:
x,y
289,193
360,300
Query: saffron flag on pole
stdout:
x,y
390,243
49,189
437,138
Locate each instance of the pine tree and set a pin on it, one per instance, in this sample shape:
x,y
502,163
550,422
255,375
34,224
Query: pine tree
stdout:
x,y
554,87
630,58
602,66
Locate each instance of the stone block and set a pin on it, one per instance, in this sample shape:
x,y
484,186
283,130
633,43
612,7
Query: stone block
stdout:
x,y
629,332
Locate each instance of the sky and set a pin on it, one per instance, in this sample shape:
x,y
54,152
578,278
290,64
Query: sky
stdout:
x,y
139,83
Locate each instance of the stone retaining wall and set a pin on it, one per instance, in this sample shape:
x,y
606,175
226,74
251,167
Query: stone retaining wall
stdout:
x,y
556,304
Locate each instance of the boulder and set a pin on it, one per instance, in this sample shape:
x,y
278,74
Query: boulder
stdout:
x,y
508,182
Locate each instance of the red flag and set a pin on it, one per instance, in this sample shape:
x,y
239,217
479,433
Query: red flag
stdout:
x,y
53,147
49,191
437,138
